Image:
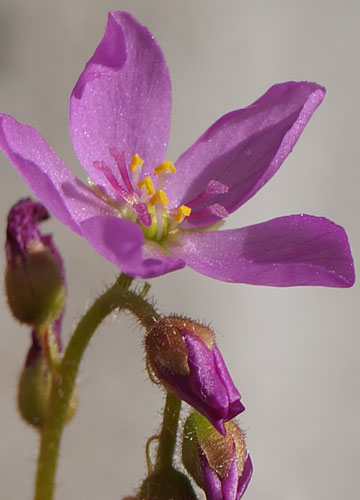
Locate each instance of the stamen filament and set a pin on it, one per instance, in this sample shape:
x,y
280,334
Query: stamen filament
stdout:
x,y
162,171
159,220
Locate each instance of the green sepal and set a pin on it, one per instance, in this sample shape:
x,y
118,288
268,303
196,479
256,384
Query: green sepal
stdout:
x,y
167,484
34,288
34,393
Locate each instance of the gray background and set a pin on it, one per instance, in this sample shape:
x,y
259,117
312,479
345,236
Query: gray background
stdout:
x,y
293,353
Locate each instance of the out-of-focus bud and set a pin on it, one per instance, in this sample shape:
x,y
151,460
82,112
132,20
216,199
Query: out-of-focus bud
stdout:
x,y
167,484
220,465
35,386
34,279
184,357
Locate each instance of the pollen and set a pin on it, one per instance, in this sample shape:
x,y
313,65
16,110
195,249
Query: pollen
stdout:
x,y
136,162
182,212
161,197
166,167
147,184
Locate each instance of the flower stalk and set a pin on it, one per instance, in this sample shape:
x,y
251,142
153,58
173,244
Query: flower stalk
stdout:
x,y
167,439
117,297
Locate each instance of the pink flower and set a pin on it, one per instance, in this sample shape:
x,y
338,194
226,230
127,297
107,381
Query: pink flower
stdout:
x,y
150,218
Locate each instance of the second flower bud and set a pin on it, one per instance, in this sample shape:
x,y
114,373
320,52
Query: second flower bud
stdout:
x,y
183,356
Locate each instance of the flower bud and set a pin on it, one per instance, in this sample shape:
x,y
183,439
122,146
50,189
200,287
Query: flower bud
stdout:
x,y
35,274
166,484
220,465
183,356
35,386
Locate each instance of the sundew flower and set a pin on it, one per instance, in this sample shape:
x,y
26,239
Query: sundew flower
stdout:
x,y
149,216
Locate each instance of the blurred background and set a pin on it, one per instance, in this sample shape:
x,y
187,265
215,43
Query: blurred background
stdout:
x,y
293,353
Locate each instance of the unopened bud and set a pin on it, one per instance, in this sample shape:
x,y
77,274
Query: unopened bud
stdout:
x,y
184,357
35,387
220,465
34,275
167,484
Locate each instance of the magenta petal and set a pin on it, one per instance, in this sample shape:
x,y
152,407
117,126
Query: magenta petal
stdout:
x,y
122,99
235,405
244,148
229,485
212,482
122,242
65,196
288,251
245,478
232,487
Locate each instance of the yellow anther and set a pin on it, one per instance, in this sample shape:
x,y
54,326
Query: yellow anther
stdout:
x,y
147,184
161,197
136,162
166,167
182,212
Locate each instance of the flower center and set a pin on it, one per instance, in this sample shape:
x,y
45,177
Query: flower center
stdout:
x,y
143,202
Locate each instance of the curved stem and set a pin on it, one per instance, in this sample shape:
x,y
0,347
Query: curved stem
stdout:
x,y
167,438
116,297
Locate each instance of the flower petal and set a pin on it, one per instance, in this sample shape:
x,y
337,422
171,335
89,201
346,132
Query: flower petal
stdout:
x,y
122,99
121,242
229,484
245,477
244,149
65,196
287,251
235,405
212,482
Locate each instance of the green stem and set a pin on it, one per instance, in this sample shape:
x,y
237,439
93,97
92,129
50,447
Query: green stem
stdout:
x,y
116,297
167,439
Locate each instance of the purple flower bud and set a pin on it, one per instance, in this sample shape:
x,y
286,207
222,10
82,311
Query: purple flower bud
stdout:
x,y
23,228
35,281
183,356
220,465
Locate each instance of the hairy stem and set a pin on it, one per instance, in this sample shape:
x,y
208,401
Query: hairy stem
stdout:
x,y
167,438
116,297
